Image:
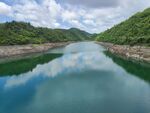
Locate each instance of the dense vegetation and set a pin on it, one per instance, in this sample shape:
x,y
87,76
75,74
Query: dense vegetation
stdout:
x,y
135,30
12,33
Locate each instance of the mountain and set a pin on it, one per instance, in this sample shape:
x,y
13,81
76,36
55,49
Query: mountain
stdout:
x,y
12,33
134,31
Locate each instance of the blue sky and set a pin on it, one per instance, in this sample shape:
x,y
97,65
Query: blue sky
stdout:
x,y
91,15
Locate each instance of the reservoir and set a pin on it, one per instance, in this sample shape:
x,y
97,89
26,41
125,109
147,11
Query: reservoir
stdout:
x,y
79,78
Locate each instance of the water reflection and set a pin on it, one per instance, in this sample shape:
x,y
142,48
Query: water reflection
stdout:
x,y
92,92
24,65
65,64
141,70
78,48
77,82
83,47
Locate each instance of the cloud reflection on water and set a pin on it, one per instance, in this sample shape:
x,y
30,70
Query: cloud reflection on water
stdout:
x,y
81,60
78,56
67,63
81,81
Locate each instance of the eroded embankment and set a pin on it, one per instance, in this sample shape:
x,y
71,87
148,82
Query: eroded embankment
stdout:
x,y
9,51
140,53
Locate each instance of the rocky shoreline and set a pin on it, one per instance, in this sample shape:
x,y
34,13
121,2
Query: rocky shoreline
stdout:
x,y
140,53
16,50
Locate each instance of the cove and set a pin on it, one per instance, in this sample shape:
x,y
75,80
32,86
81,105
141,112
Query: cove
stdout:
x,y
79,78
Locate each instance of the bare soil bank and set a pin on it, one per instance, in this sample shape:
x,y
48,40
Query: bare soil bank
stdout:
x,y
140,53
9,51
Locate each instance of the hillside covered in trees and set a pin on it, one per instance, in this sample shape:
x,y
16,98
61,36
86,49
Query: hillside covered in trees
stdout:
x,y
12,33
134,31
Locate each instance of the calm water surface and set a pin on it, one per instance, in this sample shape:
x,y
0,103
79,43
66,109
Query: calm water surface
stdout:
x,y
79,78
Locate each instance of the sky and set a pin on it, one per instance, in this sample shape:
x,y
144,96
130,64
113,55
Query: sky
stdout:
x,y
93,16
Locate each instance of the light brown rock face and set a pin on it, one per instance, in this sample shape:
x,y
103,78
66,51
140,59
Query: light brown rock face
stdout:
x,y
8,51
140,53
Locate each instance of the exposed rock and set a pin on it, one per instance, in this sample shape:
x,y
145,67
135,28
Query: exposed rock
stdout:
x,y
140,53
8,51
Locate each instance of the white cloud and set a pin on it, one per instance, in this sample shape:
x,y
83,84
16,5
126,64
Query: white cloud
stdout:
x,y
69,15
4,9
87,16
92,3
44,14
89,22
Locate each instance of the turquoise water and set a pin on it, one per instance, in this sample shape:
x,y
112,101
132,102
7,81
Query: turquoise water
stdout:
x,y
79,78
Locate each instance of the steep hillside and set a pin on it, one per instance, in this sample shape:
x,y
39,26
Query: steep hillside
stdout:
x,y
24,33
134,31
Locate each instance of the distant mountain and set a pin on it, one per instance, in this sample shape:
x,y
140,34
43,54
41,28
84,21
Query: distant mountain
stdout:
x,y
12,33
135,30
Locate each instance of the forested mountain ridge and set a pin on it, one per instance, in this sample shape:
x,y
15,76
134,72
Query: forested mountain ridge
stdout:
x,y
134,31
12,33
